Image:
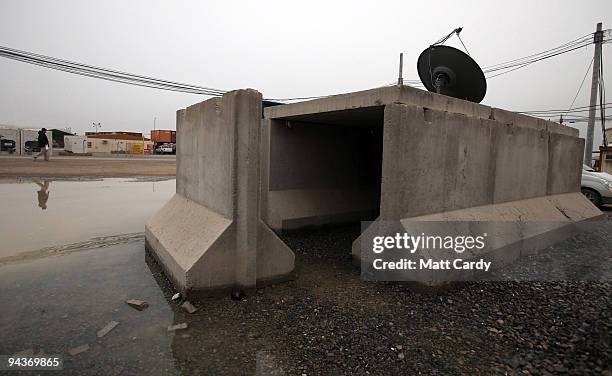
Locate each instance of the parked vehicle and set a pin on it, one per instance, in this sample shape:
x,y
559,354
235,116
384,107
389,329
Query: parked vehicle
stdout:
x,y
596,186
31,147
7,145
165,149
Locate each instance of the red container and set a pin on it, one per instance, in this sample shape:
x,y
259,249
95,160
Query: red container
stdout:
x,y
161,135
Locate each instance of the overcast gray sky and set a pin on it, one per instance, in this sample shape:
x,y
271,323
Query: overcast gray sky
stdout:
x,y
281,48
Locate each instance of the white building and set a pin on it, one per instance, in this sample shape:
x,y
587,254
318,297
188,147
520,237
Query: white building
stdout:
x,y
75,144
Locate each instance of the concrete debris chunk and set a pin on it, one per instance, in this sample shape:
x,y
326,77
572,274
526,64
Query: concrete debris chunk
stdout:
x,y
24,353
189,307
238,295
79,349
180,326
176,296
104,331
137,304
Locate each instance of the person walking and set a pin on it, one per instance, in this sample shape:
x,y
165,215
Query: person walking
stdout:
x,y
43,144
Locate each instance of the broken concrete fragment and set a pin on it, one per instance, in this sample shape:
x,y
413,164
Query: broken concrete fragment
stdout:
x,y
189,307
137,304
238,295
180,326
79,349
104,331
23,353
176,296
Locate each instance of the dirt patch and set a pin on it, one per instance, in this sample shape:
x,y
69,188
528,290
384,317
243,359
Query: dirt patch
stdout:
x,y
71,167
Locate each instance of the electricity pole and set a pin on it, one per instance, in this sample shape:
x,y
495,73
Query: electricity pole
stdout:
x,y
588,147
400,79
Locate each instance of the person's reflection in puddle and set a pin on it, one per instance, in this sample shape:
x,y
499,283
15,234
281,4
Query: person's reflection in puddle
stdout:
x,y
43,194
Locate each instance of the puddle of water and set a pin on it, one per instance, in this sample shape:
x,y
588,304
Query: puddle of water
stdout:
x,y
41,213
54,304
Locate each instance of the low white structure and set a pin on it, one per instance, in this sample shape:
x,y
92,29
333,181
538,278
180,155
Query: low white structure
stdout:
x,y
75,144
11,134
117,143
26,139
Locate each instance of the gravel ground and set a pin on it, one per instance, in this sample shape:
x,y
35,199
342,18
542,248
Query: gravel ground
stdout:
x,y
325,322
328,322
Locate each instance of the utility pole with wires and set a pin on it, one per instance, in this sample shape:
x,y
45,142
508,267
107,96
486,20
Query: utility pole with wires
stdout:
x,y
588,147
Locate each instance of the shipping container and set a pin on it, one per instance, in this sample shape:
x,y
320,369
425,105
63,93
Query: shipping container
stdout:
x,y
161,135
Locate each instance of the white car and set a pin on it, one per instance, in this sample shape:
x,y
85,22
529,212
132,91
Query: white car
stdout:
x,y
164,149
596,186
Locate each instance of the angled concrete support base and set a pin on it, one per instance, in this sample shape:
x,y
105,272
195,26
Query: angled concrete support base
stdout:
x,y
515,229
197,249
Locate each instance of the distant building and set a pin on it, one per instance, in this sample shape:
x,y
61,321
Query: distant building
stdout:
x,y
58,137
605,154
75,144
117,143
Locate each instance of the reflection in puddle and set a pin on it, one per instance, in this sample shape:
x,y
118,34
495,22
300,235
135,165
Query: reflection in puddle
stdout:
x,y
43,193
72,211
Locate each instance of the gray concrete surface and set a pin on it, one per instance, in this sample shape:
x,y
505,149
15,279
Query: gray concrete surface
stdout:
x,y
210,236
439,155
392,153
380,97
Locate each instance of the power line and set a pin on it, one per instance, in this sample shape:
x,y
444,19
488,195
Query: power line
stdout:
x,y
524,59
582,83
145,81
117,76
523,65
103,73
569,120
515,64
575,109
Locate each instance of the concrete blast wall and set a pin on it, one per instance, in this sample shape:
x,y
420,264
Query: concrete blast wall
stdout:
x,y
210,236
442,159
391,154
438,161
441,166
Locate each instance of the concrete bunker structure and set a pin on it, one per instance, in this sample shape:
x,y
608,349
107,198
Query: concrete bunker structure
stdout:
x,y
387,154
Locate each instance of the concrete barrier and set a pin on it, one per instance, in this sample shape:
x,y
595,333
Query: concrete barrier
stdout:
x,y
438,155
389,154
209,237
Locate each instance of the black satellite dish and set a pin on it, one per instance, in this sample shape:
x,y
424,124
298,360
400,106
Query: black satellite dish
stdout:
x,y
449,71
